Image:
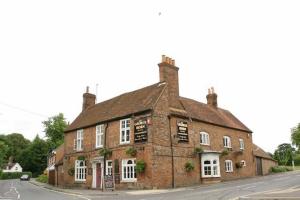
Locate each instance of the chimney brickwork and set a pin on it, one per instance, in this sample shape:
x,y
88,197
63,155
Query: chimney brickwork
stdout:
x,y
212,98
88,99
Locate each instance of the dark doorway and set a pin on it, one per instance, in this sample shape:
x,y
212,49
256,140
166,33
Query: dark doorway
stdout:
x,y
259,171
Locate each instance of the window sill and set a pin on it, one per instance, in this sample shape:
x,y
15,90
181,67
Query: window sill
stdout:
x,y
204,144
80,181
99,147
229,172
216,176
124,143
129,181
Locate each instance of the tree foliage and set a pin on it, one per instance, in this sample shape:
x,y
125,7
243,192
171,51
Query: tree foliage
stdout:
x,y
295,136
284,154
3,153
34,157
16,144
54,130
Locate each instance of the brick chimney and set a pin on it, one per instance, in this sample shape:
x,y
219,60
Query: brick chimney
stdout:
x,y
168,73
212,97
88,99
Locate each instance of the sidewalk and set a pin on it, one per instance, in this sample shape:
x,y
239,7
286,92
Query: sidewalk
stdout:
x,y
84,192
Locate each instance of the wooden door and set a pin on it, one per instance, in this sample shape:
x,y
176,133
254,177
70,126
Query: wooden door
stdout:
x,y
259,171
98,175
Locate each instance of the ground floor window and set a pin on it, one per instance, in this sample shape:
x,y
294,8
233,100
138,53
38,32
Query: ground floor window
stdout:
x,y
228,166
128,170
210,165
108,167
80,170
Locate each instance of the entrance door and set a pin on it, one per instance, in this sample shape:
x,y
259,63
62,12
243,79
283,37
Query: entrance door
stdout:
x,y
98,175
259,171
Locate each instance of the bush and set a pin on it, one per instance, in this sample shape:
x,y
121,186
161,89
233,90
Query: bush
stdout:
x,y
42,178
131,151
278,169
13,175
105,152
140,166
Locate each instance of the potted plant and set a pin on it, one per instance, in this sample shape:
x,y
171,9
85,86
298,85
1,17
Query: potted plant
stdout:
x,y
71,171
131,151
225,152
189,166
81,158
105,152
140,166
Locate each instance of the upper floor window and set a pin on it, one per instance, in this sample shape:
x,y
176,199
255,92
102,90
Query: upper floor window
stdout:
x,y
242,145
99,136
204,138
78,146
227,141
228,166
109,167
80,170
125,131
128,170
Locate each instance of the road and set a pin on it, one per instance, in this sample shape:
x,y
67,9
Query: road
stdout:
x,y
279,186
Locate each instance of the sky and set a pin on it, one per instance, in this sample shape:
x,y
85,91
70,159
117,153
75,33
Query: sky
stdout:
x,y
247,50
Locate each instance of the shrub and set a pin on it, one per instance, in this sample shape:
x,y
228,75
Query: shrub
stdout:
x,y
42,178
278,169
225,152
189,166
13,175
140,166
131,151
81,158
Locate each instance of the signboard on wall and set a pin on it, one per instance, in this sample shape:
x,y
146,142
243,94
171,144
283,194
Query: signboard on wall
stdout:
x,y
140,130
182,131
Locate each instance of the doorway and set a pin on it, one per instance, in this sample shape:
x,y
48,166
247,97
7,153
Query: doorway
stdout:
x,y
97,175
259,171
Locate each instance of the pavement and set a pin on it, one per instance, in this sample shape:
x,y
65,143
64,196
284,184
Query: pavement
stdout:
x,y
278,186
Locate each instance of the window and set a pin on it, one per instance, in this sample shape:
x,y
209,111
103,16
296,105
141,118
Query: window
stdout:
x,y
243,163
99,136
204,138
125,131
210,165
242,145
227,142
79,140
128,170
108,167
80,170
228,166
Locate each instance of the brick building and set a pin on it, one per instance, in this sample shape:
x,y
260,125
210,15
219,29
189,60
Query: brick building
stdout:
x,y
178,140
55,166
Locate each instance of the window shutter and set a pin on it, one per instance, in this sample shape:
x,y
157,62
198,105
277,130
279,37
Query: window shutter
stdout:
x,y
75,144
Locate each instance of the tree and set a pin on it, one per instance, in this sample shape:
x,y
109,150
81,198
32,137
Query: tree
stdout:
x,y
284,154
16,144
295,136
54,130
34,158
3,153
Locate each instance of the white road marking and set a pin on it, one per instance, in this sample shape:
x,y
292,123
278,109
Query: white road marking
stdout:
x,y
250,187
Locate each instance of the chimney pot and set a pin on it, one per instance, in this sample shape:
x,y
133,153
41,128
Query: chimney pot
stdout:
x,y
212,97
87,89
163,58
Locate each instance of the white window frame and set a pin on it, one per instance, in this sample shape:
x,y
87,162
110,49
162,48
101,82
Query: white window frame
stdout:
x,y
228,166
242,144
204,138
227,141
99,136
80,171
109,169
79,140
131,176
213,166
243,163
125,131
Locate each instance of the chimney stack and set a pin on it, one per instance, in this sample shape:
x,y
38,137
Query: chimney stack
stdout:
x,y
88,99
212,97
168,73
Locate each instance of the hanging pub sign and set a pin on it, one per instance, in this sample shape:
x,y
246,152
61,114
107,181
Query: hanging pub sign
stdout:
x,y
182,131
140,130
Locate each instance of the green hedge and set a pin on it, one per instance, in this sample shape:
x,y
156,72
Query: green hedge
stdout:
x,y
278,169
13,175
42,178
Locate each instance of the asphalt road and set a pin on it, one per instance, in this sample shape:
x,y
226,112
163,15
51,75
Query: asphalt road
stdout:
x,y
279,186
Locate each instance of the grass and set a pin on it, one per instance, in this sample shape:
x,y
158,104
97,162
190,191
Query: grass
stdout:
x,y
42,178
278,169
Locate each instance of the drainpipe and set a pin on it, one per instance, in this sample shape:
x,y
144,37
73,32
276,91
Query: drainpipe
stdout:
x,y
172,153
104,164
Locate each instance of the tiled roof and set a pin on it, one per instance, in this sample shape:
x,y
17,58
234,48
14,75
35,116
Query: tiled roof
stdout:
x,y
132,102
144,99
210,114
259,152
